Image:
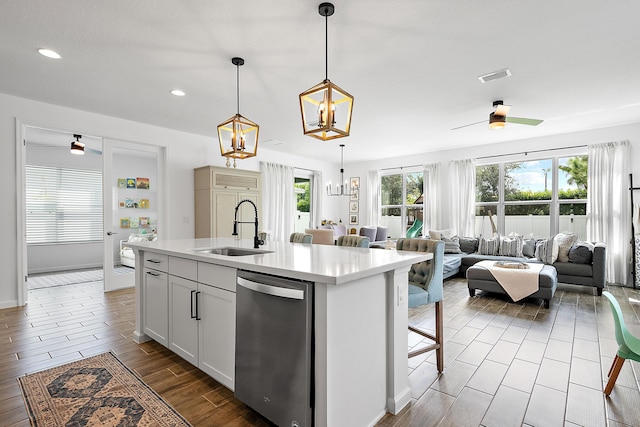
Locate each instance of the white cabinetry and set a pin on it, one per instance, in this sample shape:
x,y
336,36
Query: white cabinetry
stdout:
x,y
217,192
202,316
155,291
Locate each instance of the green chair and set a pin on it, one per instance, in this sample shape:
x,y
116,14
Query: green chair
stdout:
x,y
415,230
628,345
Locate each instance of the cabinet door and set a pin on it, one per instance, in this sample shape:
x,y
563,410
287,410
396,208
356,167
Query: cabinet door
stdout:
x,y
217,329
183,323
224,208
155,316
248,214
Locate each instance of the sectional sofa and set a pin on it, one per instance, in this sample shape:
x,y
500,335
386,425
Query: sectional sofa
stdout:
x,y
588,271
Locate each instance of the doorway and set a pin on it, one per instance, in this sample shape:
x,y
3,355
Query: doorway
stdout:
x,y
74,221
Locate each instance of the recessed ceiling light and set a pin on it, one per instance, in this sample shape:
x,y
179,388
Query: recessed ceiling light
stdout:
x,y
178,92
49,53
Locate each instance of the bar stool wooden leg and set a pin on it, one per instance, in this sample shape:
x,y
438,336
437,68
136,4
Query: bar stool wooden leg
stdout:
x,y
439,336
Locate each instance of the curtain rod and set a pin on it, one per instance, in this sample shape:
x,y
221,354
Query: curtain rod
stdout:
x,y
532,151
400,167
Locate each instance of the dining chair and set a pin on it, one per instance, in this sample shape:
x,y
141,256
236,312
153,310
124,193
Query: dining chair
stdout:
x,y
321,236
628,345
425,287
301,238
353,241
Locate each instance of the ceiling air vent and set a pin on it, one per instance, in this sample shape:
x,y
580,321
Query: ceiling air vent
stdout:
x,y
495,75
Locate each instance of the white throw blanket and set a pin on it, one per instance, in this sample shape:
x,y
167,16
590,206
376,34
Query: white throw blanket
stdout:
x,y
517,283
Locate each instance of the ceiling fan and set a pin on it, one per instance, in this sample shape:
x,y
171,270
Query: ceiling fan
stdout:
x,y
499,118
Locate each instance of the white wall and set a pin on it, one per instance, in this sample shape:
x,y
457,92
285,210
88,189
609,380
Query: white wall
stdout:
x,y
629,132
184,153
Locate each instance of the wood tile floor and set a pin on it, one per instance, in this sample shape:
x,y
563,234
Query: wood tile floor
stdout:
x,y
506,364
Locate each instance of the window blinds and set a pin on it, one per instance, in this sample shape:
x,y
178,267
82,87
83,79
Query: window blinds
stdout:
x,y
63,205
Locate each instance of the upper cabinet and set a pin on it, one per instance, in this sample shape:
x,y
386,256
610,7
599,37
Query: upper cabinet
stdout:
x,y
217,192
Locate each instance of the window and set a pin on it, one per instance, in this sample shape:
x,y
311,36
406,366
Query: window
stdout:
x,y
63,205
402,202
534,198
302,189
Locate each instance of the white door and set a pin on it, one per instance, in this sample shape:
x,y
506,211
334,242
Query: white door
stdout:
x,y
133,190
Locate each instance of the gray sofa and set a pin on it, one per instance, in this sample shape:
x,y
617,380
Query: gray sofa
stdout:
x,y
592,275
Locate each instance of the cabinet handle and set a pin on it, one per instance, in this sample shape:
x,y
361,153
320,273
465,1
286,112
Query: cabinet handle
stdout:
x,y
193,316
197,307
151,273
153,261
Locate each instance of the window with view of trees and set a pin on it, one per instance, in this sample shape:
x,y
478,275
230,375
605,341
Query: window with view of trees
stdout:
x,y
302,190
533,198
402,202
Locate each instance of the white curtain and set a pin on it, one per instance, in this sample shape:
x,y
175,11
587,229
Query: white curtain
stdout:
x,y
278,200
608,210
316,199
374,197
462,175
431,183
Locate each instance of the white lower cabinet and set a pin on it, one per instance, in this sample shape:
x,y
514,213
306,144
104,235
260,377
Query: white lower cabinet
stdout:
x,y
155,305
202,324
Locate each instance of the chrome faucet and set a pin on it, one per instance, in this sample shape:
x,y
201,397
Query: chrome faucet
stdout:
x,y
256,241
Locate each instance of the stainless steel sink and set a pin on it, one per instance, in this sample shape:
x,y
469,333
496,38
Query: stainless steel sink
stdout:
x,y
233,251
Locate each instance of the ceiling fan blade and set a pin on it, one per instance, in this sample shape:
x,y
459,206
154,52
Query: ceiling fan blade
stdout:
x,y
470,124
523,121
502,110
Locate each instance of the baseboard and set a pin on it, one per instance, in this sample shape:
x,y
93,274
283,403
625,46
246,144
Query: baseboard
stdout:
x,y
402,399
8,304
58,269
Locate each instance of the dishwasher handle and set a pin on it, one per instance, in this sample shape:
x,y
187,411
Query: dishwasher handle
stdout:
x,y
271,290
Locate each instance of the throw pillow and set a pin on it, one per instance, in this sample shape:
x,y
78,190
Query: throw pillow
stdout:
x,y
468,244
451,246
439,234
541,250
581,253
562,243
489,246
529,248
511,246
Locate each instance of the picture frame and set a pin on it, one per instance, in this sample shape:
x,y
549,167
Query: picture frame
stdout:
x,y
353,219
354,183
131,183
353,207
122,183
142,183
355,195
124,222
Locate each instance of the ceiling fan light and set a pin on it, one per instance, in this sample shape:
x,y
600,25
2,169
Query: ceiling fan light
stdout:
x,y
496,122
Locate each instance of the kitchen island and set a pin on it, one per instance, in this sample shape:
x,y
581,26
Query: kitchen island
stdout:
x,y
360,315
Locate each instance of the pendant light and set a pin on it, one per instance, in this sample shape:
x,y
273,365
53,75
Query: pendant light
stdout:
x,y
342,188
238,135
326,108
77,147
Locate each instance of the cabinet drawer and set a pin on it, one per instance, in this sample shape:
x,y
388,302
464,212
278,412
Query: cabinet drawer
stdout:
x,y
182,267
155,261
217,275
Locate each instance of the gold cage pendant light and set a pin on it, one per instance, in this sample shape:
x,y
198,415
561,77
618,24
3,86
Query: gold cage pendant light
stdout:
x,y
238,135
326,108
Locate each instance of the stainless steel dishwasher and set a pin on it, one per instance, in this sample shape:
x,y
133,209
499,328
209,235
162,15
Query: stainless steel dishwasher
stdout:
x,y
274,347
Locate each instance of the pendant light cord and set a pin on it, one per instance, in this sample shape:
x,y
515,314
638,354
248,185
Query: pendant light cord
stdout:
x,y
238,87
326,47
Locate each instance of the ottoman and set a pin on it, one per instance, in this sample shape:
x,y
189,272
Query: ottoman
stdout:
x,y
481,278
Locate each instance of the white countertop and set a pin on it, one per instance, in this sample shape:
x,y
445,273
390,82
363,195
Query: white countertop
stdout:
x,y
319,263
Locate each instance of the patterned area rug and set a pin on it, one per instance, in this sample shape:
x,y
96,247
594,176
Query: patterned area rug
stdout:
x,y
70,278
99,391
